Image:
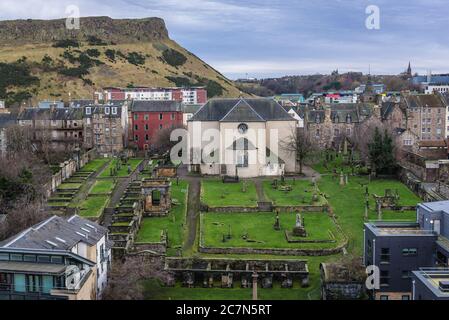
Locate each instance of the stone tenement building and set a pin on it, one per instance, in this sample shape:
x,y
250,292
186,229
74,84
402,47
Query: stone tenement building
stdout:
x,y
106,128
328,124
61,128
103,127
426,115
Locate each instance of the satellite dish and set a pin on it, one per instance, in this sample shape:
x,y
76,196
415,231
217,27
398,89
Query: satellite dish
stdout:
x,y
72,277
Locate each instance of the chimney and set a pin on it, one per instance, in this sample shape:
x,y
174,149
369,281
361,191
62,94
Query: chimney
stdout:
x,y
377,111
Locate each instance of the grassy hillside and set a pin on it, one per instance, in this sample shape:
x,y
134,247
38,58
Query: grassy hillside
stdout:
x,y
81,66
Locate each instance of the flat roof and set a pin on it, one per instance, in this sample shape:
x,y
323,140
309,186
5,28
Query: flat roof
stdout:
x,y
431,278
28,267
382,228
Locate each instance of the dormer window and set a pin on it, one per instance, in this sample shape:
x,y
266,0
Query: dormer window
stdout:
x,y
114,110
348,118
107,110
88,110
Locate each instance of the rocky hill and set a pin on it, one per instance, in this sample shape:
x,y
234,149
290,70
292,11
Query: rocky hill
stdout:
x,y
42,59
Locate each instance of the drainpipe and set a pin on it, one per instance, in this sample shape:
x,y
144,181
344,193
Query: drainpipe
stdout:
x,y
364,249
374,264
413,290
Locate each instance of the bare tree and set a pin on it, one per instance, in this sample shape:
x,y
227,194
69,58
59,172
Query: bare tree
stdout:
x,y
126,276
364,134
161,141
300,144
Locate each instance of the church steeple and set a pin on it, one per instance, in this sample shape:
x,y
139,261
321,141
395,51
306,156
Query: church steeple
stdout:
x,y
409,69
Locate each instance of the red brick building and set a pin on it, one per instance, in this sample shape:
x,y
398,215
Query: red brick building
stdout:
x,y
150,117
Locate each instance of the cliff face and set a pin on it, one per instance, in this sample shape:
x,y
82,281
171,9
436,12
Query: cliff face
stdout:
x,y
40,60
105,28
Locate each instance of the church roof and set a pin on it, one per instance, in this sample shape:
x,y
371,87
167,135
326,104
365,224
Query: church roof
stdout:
x,y
236,110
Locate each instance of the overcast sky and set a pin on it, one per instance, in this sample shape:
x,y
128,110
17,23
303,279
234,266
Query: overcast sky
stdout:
x,y
264,38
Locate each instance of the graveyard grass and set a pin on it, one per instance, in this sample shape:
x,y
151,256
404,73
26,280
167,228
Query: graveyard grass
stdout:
x,y
93,206
300,195
95,165
174,223
215,193
123,172
261,233
105,186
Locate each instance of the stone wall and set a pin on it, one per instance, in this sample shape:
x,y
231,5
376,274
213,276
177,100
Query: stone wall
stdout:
x,y
281,252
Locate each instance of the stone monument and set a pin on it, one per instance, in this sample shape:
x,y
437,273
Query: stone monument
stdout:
x,y
299,230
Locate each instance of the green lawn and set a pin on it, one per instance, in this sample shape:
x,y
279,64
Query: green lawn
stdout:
x,y
95,165
150,229
259,230
123,172
103,187
394,216
301,194
68,186
348,203
217,194
154,291
93,206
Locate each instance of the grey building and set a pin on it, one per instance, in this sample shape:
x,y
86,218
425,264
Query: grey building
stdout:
x,y
398,249
59,258
430,284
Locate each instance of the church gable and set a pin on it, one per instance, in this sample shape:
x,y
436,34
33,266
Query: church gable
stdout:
x,y
242,112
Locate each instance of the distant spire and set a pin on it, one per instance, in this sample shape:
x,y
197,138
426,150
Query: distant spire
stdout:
x,y
409,69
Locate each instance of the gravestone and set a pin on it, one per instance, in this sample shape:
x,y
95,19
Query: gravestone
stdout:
x,y
277,224
299,230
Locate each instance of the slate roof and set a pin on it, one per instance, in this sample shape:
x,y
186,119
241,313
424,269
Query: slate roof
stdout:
x,y
57,233
191,108
156,106
246,110
7,119
48,114
100,109
424,101
341,111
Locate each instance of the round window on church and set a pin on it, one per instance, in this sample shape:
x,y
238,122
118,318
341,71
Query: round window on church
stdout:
x,y
243,128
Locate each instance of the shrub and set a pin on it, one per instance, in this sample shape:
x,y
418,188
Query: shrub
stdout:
x,y
135,58
95,41
93,53
174,58
110,54
66,43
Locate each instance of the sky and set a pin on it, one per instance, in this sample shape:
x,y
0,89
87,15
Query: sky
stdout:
x,y
272,38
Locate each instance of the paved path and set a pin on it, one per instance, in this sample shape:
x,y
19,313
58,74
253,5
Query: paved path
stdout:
x,y
259,190
117,194
193,213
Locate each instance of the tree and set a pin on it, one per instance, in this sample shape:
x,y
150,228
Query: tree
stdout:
x,y
300,144
162,143
381,152
126,276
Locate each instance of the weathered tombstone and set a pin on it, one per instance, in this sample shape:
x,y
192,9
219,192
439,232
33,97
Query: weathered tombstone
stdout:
x,y
346,179
379,210
299,230
366,210
277,224
129,169
342,179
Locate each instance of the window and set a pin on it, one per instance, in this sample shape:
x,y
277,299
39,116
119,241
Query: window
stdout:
x,y
136,138
107,110
409,252
336,132
88,110
29,258
348,131
146,117
173,116
136,127
384,255
147,137
147,127
16,257
114,110
160,127
161,116
56,259
317,133
136,117
44,259
405,297
384,278
383,297
4,256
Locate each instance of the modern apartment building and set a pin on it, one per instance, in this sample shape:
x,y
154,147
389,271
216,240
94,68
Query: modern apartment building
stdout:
x,y
194,95
57,259
402,251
